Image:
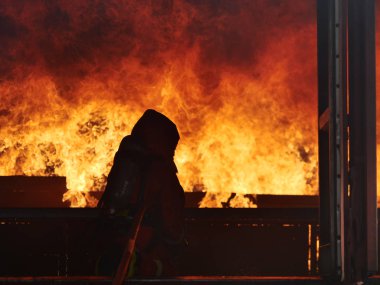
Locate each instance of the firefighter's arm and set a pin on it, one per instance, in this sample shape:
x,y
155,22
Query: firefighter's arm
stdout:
x,y
173,211
164,192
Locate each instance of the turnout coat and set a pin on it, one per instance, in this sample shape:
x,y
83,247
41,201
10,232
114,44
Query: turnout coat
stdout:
x,y
144,174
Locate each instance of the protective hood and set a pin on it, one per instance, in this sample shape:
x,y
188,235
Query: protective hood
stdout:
x,y
157,133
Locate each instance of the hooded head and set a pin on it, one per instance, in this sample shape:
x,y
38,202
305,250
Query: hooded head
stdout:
x,y
157,133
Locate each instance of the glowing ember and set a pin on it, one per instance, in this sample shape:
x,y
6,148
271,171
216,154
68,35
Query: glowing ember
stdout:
x,y
237,77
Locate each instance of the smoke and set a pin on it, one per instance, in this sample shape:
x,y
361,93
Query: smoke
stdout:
x,y
74,40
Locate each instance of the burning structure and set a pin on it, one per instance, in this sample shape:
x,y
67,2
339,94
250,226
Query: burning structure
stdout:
x,y
240,80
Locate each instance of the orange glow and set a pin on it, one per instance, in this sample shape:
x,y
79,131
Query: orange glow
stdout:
x,y
378,98
237,77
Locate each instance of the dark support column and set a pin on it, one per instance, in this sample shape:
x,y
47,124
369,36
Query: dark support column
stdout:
x,y
328,246
348,220
362,108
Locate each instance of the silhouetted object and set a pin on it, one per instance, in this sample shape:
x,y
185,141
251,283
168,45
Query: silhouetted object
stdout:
x,y
143,183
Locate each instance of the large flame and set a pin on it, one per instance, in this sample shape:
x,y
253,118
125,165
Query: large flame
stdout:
x,y
237,77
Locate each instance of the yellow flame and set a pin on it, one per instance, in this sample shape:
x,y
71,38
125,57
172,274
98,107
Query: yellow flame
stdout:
x,y
248,134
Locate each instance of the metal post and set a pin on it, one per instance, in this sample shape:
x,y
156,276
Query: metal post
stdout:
x,y
362,106
327,259
332,134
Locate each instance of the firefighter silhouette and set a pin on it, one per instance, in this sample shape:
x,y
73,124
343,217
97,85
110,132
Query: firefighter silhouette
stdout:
x,y
144,175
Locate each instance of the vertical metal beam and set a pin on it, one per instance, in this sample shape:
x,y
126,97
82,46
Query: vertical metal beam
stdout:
x,y
327,259
348,217
341,135
362,106
331,149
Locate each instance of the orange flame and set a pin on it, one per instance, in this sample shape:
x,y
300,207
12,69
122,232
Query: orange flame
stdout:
x,y
237,77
